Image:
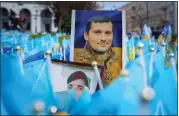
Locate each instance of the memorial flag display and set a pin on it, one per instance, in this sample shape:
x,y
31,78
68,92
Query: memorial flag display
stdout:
x,y
95,70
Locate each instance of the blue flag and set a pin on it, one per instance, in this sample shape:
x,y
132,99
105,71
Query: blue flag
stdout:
x,y
37,56
82,102
3,108
146,46
42,87
165,101
19,92
15,89
158,67
120,97
65,100
136,74
10,65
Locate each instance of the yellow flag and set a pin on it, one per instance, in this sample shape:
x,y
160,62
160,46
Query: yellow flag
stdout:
x,y
160,37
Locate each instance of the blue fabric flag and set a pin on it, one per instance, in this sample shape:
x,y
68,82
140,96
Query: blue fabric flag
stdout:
x,y
165,101
164,32
42,88
10,65
146,46
118,98
65,100
68,53
15,89
135,74
55,39
30,45
38,44
19,92
158,67
29,68
7,50
83,101
3,108
47,41
37,56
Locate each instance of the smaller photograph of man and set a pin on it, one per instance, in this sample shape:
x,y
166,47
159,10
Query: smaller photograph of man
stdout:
x,y
79,82
74,76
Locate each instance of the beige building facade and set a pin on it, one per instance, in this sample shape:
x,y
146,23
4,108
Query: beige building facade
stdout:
x,y
156,14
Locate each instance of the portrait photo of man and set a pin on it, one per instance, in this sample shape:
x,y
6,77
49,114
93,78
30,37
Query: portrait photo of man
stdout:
x,y
102,43
78,81
74,75
76,84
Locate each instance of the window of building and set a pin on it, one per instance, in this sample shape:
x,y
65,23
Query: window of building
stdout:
x,y
4,18
46,20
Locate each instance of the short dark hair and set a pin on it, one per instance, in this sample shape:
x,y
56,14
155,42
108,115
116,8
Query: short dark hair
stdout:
x,y
95,19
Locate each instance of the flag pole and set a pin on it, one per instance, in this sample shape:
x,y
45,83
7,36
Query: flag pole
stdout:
x,y
18,49
151,63
49,62
61,53
142,63
171,55
147,93
64,50
163,48
95,67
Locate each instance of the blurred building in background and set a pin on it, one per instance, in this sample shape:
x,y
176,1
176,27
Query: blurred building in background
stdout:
x,y
29,15
156,14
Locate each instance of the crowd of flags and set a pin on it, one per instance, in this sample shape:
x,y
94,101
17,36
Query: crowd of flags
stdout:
x,y
32,45
146,86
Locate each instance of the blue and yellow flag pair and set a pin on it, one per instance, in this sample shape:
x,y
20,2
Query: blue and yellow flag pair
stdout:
x,y
130,49
169,33
146,33
166,33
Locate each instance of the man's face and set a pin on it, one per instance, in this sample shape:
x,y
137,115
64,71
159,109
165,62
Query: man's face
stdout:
x,y
100,36
78,86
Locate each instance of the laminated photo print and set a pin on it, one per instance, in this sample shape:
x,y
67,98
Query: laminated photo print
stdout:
x,y
99,36
72,75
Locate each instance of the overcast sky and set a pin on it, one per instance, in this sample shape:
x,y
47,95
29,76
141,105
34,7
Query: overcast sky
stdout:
x,y
109,5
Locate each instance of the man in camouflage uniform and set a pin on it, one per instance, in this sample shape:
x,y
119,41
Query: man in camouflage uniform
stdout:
x,y
99,36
